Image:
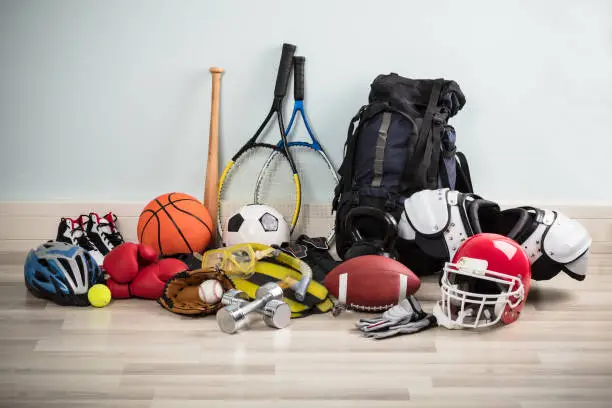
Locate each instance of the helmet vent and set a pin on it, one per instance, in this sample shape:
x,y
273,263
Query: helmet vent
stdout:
x,y
66,265
44,263
79,261
41,276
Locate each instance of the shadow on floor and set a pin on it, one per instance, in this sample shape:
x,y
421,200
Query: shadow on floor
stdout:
x,y
547,296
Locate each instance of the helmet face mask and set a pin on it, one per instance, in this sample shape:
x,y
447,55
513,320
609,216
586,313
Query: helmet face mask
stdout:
x,y
481,287
474,298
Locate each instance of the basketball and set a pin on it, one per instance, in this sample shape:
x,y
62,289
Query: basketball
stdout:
x,y
175,223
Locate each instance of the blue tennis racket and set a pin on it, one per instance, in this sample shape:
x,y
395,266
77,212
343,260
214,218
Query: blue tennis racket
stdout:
x,y
318,176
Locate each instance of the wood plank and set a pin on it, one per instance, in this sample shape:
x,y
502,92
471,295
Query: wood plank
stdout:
x,y
134,353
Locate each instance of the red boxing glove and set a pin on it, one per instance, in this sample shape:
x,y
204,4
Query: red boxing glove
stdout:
x,y
123,263
150,282
118,290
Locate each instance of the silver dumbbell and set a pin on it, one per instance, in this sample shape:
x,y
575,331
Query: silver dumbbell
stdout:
x,y
268,302
274,312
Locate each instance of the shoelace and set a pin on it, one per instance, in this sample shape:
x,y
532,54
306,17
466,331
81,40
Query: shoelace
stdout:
x,y
82,239
114,238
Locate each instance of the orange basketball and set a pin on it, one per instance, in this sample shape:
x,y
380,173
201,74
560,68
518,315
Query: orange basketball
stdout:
x,y
175,223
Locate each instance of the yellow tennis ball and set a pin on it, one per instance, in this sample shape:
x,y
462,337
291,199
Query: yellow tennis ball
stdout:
x,y
99,295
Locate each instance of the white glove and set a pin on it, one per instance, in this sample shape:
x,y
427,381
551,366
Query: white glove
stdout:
x,y
406,328
406,311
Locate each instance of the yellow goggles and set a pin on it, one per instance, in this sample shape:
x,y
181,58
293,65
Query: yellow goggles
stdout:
x,y
237,261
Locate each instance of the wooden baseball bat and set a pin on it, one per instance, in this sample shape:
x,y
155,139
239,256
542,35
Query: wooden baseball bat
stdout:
x,y
212,164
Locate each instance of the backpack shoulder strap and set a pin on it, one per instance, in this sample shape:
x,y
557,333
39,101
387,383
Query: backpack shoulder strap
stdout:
x,y
416,172
463,171
346,168
434,98
444,178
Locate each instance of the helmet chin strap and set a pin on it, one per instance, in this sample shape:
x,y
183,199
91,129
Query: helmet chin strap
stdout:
x,y
443,320
488,314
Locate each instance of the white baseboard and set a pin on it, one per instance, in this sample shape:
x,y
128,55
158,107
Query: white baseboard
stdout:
x,y
25,225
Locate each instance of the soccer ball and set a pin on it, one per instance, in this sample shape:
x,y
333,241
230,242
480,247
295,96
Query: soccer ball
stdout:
x,y
256,223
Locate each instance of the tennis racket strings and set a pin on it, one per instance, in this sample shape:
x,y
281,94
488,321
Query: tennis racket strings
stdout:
x,y
318,180
239,181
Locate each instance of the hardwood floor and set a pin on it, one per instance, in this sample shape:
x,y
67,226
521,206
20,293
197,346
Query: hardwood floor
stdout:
x,y
133,353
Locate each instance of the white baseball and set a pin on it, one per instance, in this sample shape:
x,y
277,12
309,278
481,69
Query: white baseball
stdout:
x,y
210,291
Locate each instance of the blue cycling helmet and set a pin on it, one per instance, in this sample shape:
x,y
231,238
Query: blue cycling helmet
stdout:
x,y
62,273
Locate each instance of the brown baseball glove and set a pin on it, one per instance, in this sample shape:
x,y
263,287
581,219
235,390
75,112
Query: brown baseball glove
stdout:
x,y
181,296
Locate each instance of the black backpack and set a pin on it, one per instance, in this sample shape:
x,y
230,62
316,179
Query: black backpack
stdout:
x,y
401,144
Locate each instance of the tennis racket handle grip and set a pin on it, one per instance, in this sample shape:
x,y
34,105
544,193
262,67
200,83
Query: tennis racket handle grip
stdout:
x,y
284,70
298,78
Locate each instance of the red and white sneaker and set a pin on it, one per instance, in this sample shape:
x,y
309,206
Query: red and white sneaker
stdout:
x,y
102,231
72,232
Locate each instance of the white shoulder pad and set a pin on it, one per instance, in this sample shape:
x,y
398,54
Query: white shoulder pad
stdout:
x,y
533,244
427,211
404,229
566,240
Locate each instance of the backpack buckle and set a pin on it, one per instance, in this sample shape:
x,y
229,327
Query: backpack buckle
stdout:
x,y
439,118
449,153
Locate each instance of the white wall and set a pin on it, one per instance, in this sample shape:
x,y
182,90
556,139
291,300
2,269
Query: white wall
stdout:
x,y
109,100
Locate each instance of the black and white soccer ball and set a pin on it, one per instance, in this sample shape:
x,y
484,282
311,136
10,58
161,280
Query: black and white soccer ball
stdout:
x,y
256,223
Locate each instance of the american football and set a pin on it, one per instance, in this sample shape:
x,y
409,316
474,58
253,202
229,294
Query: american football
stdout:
x,y
379,283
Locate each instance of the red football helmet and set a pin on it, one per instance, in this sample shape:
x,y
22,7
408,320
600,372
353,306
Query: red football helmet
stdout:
x,y
487,281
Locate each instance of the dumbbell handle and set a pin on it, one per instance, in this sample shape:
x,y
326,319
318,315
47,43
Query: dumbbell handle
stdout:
x,y
255,305
226,301
264,294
